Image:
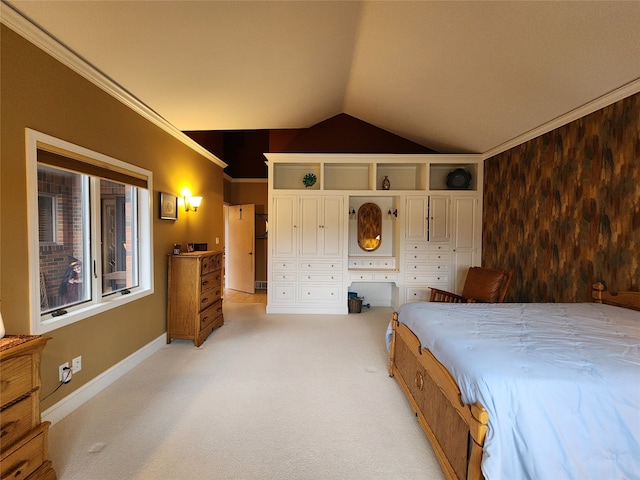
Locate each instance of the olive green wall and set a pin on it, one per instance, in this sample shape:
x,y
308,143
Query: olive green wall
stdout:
x,y
563,210
39,92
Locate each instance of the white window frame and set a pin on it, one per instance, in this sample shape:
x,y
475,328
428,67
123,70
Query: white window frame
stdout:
x,y
45,323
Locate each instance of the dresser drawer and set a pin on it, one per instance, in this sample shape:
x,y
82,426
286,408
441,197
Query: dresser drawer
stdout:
x,y
16,378
16,421
210,281
208,298
211,314
23,461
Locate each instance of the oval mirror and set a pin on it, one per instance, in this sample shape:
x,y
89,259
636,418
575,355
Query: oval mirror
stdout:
x,y
369,227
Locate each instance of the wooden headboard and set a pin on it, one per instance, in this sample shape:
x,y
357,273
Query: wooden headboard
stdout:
x,y
621,299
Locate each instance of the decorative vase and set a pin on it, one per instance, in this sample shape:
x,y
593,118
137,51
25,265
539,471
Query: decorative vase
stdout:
x,y
386,184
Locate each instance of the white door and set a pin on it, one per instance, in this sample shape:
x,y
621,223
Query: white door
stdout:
x,y
241,248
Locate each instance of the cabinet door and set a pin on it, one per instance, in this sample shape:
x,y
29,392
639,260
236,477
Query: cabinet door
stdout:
x,y
416,218
310,221
284,230
466,238
439,219
332,227
321,226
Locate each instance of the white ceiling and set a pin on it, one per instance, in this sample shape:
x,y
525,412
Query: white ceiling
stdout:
x,y
453,76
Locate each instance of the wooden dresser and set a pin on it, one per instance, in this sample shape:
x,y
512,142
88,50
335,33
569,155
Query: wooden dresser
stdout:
x,y
194,296
23,439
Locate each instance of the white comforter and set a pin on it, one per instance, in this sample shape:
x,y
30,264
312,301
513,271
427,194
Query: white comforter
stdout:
x,y
561,383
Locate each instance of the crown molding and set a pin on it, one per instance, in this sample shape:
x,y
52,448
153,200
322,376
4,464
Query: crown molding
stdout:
x,y
610,98
43,40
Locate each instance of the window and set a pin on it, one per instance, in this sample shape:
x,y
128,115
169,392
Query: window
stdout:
x,y
91,237
47,218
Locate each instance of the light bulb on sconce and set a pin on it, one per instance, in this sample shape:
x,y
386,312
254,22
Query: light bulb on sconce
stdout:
x,y
192,203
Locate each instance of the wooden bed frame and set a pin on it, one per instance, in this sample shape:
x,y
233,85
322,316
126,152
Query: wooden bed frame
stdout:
x,y
456,431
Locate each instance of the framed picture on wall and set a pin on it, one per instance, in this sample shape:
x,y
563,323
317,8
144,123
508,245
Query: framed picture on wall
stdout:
x,y
168,206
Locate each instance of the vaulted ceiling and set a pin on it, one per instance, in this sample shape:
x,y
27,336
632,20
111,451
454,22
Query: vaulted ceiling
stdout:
x,y
453,76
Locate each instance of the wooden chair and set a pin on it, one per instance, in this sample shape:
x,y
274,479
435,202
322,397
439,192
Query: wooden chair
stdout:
x,y
486,285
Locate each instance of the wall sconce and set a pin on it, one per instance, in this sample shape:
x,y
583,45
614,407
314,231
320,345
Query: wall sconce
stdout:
x,y
393,211
352,211
192,203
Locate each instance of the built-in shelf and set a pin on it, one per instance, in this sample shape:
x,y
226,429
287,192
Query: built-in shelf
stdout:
x,y
359,172
438,173
288,176
347,176
401,176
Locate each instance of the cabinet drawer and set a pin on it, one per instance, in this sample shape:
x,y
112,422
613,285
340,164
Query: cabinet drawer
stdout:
x,y
355,277
283,293
415,247
320,293
321,277
211,314
16,377
210,281
16,421
439,247
320,265
417,256
427,279
284,265
415,294
284,276
23,461
439,257
385,277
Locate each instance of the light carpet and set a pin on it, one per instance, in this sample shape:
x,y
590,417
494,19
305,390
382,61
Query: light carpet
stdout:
x,y
265,397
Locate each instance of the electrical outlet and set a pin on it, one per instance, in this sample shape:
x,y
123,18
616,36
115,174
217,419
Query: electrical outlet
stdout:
x,y
76,364
62,372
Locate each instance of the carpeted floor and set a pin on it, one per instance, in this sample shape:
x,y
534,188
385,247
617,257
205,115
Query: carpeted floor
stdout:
x,y
265,397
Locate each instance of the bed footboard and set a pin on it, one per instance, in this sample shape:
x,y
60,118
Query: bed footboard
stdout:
x,y
456,431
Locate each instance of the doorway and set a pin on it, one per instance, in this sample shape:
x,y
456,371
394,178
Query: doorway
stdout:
x,y
240,248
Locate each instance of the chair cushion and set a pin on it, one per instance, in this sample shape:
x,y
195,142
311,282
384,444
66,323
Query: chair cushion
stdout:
x,y
483,284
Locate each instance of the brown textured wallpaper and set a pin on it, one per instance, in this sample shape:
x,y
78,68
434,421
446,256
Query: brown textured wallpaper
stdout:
x,y
563,210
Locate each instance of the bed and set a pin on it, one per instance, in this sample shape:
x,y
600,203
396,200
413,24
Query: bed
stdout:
x,y
563,403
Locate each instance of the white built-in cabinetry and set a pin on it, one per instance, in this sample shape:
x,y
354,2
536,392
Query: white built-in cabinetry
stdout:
x,y
432,234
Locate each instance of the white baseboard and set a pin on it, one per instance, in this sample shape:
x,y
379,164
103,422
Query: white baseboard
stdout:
x,y
78,397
